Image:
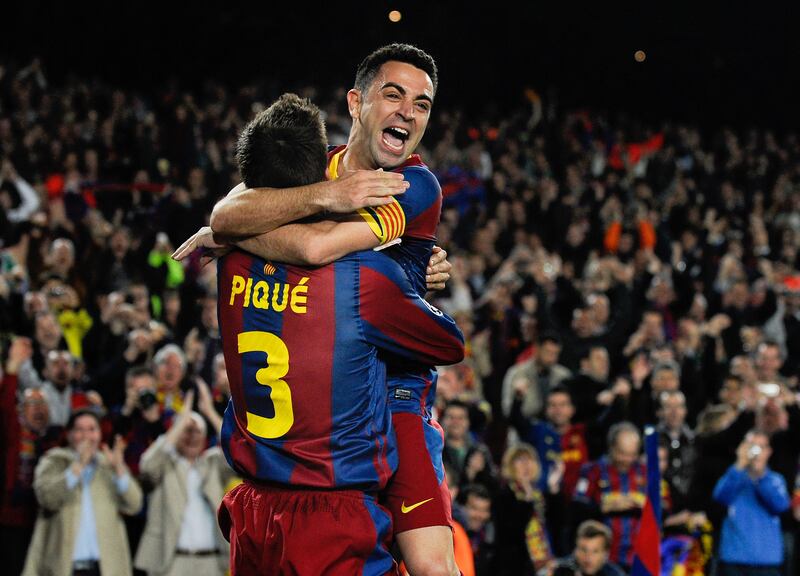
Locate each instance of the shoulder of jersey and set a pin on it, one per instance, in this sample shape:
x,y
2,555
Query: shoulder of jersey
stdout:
x,y
411,161
421,173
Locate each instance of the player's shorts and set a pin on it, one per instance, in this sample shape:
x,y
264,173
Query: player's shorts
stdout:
x,y
275,530
417,495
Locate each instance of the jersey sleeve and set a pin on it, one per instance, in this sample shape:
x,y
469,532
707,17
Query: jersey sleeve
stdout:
x,y
415,213
396,319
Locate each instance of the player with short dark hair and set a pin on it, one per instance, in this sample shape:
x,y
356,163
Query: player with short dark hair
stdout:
x,y
291,135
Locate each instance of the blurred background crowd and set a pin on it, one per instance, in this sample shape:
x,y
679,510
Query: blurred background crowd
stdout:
x,y
608,274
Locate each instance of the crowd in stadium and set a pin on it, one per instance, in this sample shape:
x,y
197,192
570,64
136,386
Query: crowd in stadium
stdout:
x,y
607,276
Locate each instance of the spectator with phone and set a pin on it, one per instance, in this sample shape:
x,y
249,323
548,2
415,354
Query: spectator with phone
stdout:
x,y
751,540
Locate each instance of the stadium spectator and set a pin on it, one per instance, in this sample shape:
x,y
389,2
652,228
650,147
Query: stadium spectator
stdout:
x,y
470,457
532,379
188,482
170,370
676,435
26,434
613,489
549,217
751,540
57,385
82,491
477,503
520,510
590,557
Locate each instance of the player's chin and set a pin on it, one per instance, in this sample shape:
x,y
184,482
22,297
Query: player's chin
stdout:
x,y
390,163
390,157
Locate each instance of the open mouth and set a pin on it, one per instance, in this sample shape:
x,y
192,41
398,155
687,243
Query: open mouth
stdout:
x,y
395,137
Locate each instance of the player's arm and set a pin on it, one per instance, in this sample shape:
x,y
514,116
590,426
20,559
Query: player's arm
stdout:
x,y
245,211
367,228
312,244
394,318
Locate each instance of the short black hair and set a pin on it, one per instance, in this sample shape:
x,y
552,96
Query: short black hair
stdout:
x,y
396,52
82,412
550,336
454,403
137,372
283,146
559,389
474,489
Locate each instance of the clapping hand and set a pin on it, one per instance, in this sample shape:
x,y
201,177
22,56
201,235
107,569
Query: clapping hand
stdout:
x,y
116,456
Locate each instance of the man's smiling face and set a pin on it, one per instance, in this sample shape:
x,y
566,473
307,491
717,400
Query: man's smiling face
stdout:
x,y
393,115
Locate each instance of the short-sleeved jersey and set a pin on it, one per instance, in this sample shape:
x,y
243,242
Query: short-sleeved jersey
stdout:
x,y
414,216
308,398
601,481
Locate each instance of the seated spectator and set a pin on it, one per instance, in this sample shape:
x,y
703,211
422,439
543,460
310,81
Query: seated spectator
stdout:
x,y
188,481
82,490
590,557
480,528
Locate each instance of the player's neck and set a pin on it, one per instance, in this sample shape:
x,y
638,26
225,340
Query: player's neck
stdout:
x,y
352,160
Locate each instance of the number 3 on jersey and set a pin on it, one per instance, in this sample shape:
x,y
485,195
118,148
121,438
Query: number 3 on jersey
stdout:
x,y
276,369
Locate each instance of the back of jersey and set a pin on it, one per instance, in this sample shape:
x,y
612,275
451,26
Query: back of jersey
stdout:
x,y
308,394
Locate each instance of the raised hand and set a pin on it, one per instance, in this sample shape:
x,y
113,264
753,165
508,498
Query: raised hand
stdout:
x,y
555,476
21,350
116,456
205,402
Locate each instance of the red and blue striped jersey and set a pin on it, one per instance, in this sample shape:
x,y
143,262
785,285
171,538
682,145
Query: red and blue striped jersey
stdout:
x,y
601,481
414,216
308,398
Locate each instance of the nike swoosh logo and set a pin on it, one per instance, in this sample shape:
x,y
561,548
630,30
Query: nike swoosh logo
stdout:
x,y
406,509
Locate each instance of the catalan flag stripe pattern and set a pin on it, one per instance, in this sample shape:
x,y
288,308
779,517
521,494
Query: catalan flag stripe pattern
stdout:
x,y
387,222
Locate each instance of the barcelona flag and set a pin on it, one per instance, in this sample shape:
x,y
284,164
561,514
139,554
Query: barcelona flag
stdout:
x,y
647,544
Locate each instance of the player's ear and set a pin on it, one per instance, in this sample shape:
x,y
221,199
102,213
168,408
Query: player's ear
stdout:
x,y
354,102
